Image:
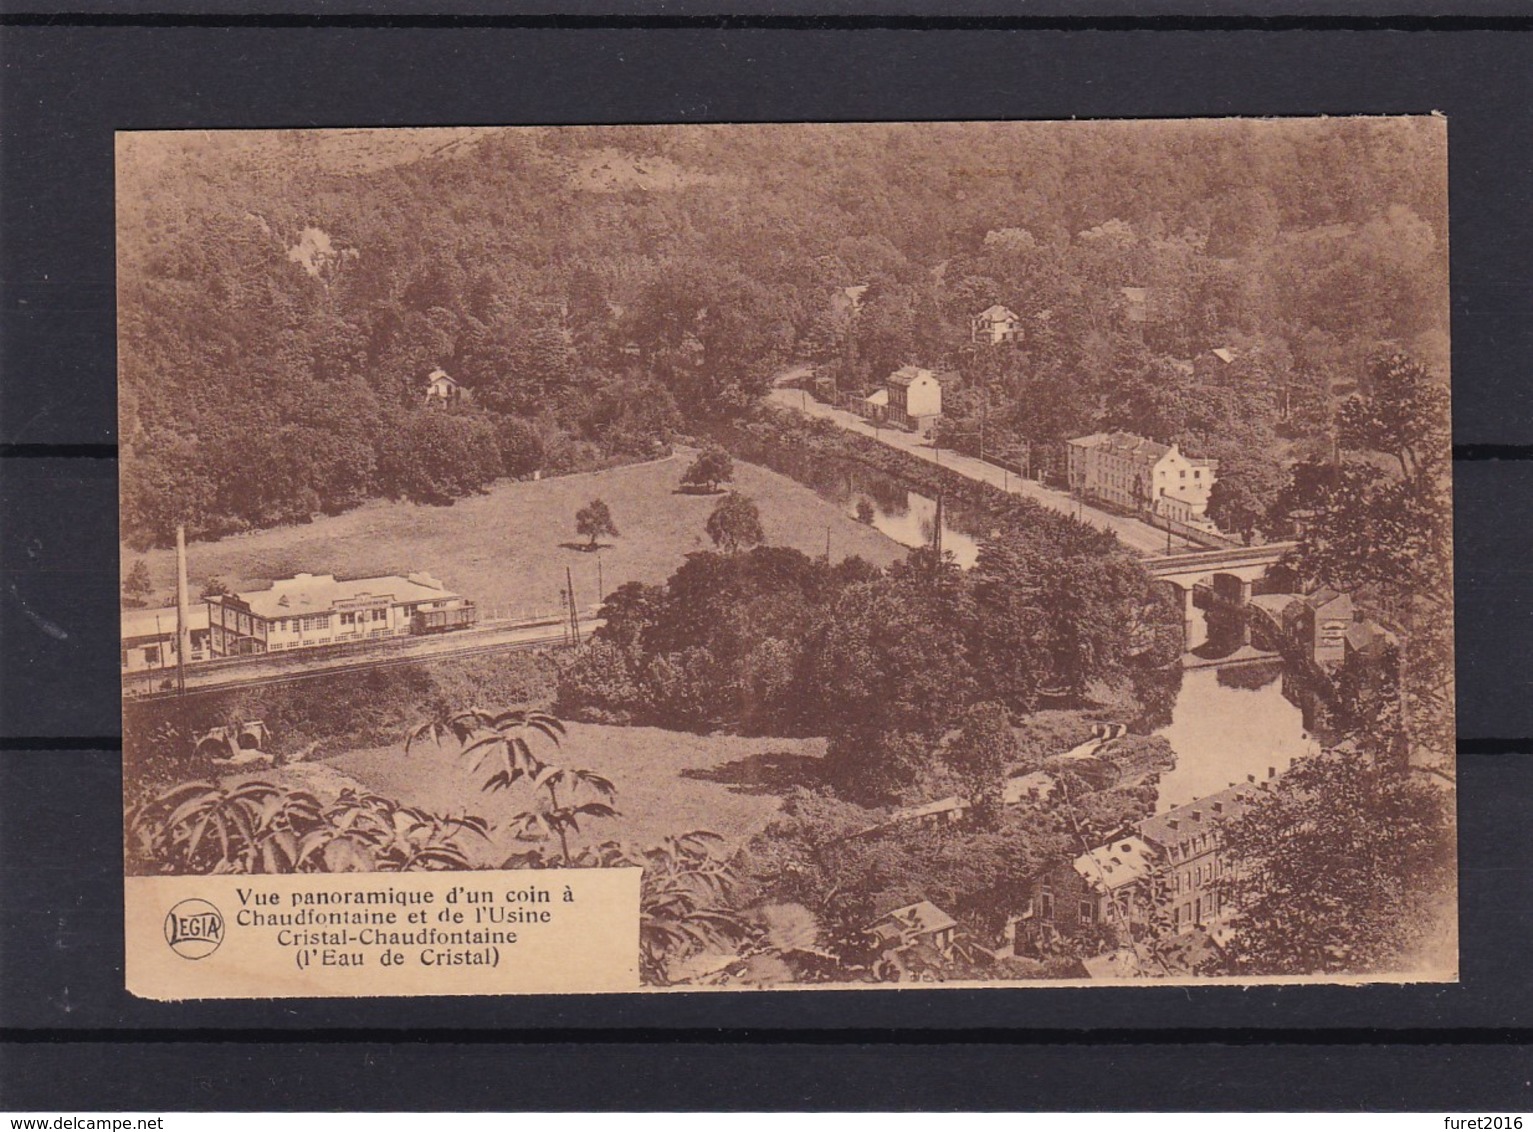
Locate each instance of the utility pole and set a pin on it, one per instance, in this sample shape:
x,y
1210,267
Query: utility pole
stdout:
x,y
827,545
183,626
601,586
569,582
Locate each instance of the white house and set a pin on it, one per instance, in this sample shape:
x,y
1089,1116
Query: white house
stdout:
x,y
1136,474
915,398
995,324
441,389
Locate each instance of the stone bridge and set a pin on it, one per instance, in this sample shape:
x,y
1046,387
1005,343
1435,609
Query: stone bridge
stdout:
x,y
1229,570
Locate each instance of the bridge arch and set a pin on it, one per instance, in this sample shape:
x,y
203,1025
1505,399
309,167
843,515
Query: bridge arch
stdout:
x,y
1230,573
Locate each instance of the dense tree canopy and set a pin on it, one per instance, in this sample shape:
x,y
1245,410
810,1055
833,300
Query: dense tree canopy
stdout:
x,y
1343,863
285,295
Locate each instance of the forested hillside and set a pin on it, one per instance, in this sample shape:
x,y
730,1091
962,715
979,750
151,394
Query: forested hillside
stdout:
x,y
283,296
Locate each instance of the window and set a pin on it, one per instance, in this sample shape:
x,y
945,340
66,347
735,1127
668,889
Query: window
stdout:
x,y
1087,912
152,655
1197,474
1045,904
317,621
380,615
348,619
1183,473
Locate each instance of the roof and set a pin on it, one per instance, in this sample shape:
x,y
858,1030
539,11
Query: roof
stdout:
x,y
923,917
996,313
1364,635
162,622
1120,964
1197,816
317,593
1224,354
1135,294
905,375
877,397
439,374
1111,866
1124,444
1276,604
1322,597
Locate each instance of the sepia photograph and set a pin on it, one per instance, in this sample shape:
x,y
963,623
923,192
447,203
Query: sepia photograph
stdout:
x,y
793,556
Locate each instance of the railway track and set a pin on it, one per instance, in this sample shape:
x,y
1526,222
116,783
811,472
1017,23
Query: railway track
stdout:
x,y
279,678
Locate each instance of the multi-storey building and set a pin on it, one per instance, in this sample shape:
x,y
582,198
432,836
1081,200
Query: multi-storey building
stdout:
x,y
915,398
311,610
1135,474
1166,872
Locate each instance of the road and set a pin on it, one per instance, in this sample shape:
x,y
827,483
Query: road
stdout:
x,y
288,667
1140,537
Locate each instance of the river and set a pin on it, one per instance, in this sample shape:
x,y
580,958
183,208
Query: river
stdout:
x,y
1228,723
908,517
1225,723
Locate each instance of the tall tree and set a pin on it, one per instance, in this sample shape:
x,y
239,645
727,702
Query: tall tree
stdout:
x,y
712,467
981,753
594,521
1343,866
1390,536
735,524
137,586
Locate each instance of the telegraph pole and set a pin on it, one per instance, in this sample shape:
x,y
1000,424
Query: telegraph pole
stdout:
x,y
569,583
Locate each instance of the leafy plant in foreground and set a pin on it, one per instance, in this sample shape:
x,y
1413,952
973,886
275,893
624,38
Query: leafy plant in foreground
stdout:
x,y
501,740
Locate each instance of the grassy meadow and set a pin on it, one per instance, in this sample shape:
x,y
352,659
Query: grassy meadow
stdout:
x,y
668,782
506,548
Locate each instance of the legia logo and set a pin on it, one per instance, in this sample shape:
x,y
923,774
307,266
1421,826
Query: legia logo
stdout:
x,y
194,929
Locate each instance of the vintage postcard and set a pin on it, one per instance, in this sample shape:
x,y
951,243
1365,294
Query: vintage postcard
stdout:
x,y
688,558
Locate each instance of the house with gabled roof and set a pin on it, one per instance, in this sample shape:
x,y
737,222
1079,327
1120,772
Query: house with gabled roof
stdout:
x,y
1133,473
995,324
441,389
1168,870
915,398
921,924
